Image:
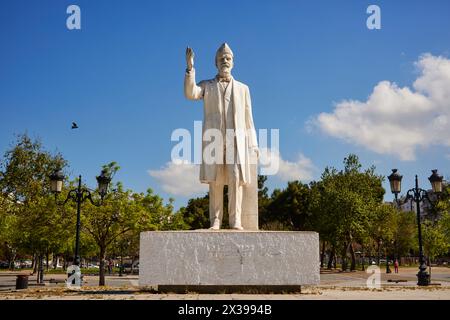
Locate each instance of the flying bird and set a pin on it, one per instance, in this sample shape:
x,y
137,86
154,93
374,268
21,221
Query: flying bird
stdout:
x,y
74,125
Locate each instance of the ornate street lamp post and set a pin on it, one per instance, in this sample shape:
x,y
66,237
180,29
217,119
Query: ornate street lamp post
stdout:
x,y
79,195
388,270
418,195
395,180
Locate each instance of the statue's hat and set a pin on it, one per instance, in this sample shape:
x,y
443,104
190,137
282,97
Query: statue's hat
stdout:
x,y
224,48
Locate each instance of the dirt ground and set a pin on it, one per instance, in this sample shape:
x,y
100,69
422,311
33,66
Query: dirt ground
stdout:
x,y
313,293
334,285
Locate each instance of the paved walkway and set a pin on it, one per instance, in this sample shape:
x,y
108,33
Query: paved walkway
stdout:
x,y
317,293
334,285
406,277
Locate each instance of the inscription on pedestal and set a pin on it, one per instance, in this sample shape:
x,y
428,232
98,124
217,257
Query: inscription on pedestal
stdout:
x,y
239,250
229,258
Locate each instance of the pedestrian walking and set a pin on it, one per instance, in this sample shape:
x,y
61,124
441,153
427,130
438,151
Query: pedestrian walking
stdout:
x,y
396,266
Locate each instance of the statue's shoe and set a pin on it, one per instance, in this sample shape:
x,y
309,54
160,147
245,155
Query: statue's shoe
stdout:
x,y
215,226
238,228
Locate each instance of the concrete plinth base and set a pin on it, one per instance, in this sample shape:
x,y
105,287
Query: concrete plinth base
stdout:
x,y
229,258
229,289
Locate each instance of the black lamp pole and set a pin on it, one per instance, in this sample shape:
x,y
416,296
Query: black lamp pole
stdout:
x,y
397,206
79,195
388,270
418,195
79,200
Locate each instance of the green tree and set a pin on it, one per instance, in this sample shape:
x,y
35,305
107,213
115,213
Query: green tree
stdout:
x,y
342,204
264,201
288,208
435,240
24,181
122,216
8,225
322,218
405,235
196,213
383,228
442,203
445,223
108,221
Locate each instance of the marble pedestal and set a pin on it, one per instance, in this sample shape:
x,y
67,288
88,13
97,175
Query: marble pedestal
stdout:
x,y
229,258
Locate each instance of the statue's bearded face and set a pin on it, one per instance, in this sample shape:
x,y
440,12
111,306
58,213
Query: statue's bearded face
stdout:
x,y
224,63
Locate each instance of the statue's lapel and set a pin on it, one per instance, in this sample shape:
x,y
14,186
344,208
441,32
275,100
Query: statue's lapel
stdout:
x,y
228,91
233,99
218,95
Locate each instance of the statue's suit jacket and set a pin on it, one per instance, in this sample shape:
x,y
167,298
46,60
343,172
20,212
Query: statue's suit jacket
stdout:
x,y
246,142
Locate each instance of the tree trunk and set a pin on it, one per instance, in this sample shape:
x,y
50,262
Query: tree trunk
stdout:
x,y
132,266
429,266
134,259
322,256
40,273
352,252
344,257
41,280
11,258
66,259
330,259
36,263
47,257
101,281
379,252
121,266
363,256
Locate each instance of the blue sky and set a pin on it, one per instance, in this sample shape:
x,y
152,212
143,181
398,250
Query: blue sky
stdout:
x,y
121,79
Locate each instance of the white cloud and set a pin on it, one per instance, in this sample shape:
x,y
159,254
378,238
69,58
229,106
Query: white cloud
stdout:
x,y
302,169
180,179
397,120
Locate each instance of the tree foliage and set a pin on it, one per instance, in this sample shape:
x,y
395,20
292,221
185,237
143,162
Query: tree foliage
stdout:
x,y
29,212
122,216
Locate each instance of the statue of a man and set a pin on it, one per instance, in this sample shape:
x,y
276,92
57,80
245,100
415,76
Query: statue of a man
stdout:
x,y
227,108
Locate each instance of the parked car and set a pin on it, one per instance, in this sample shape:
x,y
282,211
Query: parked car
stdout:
x,y
127,268
26,264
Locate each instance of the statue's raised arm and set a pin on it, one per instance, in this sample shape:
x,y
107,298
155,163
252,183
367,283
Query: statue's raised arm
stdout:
x,y
191,90
189,59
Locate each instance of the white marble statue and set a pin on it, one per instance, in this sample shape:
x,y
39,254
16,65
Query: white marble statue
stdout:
x,y
227,108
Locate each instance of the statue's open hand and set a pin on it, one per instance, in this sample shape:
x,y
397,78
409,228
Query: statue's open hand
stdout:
x,y
189,58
